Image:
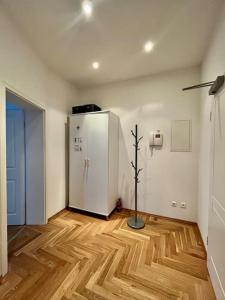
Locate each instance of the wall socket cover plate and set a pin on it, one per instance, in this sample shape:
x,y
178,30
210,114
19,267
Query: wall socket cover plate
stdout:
x,y
183,205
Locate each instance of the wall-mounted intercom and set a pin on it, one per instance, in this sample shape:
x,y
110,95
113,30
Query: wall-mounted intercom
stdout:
x,y
156,139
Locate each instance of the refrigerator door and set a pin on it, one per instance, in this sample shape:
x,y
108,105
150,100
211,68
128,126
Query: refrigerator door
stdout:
x,y
97,165
78,161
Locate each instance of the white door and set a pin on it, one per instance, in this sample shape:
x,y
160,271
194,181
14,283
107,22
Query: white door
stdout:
x,y
216,237
15,150
78,161
97,167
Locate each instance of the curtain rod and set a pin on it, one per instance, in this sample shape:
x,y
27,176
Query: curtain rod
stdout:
x,y
215,85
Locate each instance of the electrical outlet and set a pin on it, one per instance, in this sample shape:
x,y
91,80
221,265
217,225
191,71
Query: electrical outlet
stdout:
x,y
183,205
174,204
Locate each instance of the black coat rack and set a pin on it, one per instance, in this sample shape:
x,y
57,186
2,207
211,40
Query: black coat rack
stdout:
x,y
135,222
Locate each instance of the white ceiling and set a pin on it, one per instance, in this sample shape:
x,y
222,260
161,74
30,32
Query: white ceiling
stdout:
x,y
68,43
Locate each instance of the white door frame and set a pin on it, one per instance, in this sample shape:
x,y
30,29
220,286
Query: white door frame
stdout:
x,y
3,177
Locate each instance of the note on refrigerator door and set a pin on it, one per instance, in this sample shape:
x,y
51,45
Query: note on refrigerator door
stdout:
x,y
76,148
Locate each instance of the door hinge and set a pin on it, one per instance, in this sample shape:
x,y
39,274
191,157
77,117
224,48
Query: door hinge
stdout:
x,y
210,116
207,241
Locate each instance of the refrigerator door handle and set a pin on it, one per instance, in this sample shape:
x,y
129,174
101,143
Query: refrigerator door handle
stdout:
x,y
88,161
85,166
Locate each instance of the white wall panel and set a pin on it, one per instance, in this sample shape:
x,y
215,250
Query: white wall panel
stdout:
x,y
181,136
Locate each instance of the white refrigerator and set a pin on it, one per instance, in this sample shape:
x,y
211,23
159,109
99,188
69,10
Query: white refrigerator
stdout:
x,y
93,162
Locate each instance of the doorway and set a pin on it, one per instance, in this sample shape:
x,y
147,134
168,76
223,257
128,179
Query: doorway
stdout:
x,y
22,172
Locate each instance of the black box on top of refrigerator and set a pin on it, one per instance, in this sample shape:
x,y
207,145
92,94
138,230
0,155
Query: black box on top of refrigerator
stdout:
x,y
85,108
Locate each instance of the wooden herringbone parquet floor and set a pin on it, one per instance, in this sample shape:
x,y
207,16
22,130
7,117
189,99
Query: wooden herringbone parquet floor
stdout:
x,y
80,257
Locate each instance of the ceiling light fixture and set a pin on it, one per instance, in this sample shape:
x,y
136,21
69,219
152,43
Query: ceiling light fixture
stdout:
x,y
87,7
95,65
148,46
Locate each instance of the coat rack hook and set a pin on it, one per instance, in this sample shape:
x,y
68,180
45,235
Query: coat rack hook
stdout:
x,y
140,139
132,164
133,133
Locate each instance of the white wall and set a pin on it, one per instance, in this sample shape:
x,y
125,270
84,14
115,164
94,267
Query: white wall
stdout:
x,y
213,65
34,120
152,102
23,70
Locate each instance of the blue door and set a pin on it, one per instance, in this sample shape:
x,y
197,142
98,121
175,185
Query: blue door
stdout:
x,y
15,149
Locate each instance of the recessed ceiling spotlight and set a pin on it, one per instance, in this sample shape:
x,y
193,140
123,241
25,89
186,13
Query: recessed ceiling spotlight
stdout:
x,y
95,65
87,7
148,46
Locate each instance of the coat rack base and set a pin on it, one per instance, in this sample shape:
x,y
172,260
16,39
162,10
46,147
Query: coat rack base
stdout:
x,y
135,223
